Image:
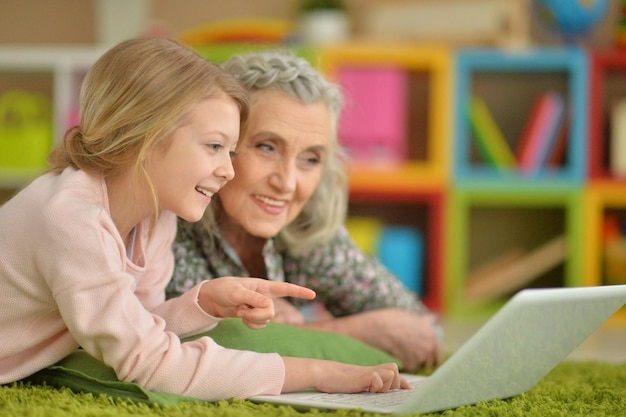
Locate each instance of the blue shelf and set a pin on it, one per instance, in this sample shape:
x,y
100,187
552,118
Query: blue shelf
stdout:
x,y
569,63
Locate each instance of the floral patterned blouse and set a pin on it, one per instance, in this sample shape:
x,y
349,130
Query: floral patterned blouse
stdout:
x,y
346,280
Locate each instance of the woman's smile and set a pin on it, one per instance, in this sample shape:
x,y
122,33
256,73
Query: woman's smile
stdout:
x,y
270,205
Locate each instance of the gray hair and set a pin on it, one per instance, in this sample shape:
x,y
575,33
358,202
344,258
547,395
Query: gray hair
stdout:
x,y
325,212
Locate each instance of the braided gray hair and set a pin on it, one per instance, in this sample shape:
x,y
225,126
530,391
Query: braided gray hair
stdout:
x,y
289,73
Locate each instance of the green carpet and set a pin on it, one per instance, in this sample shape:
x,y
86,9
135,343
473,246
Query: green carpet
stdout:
x,y
571,389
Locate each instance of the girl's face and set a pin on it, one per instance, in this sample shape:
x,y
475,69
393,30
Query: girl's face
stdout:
x,y
194,161
278,163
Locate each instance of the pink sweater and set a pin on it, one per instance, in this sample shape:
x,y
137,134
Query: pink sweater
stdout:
x,y
65,282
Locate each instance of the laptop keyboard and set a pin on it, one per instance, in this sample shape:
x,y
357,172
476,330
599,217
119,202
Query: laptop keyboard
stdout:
x,y
387,399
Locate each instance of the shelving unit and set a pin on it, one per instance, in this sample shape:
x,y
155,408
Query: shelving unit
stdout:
x,y
509,81
488,224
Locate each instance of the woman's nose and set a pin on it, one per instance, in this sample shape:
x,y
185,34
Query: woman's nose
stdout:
x,y
284,176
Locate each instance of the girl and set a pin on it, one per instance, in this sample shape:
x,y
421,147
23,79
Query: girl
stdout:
x,y
85,248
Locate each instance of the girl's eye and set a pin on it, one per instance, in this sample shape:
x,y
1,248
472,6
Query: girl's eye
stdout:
x,y
232,154
214,146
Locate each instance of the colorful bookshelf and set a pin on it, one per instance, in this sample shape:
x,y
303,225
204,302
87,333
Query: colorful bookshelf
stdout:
x,y
509,82
520,225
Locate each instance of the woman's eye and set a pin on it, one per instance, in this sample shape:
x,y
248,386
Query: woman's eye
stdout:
x,y
214,146
232,154
265,147
311,159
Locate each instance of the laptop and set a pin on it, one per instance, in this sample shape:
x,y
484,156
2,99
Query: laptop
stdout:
x,y
531,334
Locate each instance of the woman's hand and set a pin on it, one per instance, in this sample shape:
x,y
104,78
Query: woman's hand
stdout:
x,y
410,337
286,313
247,298
330,376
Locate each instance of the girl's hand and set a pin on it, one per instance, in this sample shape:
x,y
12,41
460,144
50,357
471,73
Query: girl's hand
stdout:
x,y
330,376
247,298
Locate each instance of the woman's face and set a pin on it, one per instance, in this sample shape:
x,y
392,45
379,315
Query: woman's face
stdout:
x,y
278,164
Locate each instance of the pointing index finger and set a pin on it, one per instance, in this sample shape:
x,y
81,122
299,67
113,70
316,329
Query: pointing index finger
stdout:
x,y
285,289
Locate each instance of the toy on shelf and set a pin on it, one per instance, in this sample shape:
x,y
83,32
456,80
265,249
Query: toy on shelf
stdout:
x,y
322,22
400,248
25,132
572,19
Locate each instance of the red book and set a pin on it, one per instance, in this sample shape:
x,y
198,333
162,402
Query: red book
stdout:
x,y
558,151
527,146
553,130
540,132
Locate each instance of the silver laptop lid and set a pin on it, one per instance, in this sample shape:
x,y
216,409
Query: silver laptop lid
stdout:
x,y
518,346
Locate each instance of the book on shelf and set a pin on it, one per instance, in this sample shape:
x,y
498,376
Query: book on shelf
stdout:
x,y
374,122
401,250
512,271
617,152
541,132
491,143
557,155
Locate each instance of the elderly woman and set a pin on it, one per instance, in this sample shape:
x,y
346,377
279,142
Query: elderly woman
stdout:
x,y
282,217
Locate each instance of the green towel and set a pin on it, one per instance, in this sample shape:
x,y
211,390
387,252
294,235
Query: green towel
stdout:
x,y
83,373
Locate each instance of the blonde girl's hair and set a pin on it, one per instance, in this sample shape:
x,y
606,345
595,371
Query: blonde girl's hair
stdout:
x,y
132,97
325,212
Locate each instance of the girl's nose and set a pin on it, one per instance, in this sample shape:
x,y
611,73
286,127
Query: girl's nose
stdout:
x,y
225,169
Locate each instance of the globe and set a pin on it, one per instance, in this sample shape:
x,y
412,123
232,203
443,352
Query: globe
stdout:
x,y
570,18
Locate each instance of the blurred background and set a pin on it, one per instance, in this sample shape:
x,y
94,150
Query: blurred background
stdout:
x,y
443,97
79,22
